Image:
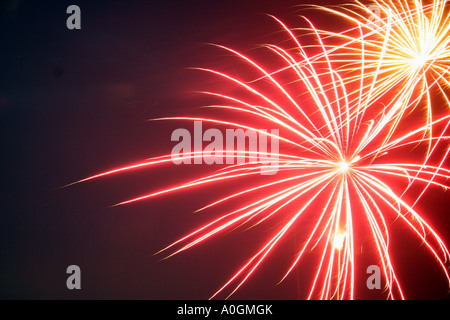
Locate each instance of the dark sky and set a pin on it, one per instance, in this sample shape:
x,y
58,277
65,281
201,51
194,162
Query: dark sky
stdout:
x,y
76,102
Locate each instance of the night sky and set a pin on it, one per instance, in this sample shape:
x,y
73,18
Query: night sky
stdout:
x,y
77,102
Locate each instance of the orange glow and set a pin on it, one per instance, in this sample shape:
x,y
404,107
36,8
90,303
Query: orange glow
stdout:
x,y
338,241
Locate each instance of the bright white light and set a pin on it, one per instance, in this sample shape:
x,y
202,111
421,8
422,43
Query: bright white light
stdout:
x,y
420,60
343,166
338,241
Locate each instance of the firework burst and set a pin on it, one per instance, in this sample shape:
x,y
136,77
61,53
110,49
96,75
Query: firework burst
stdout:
x,y
341,178
402,47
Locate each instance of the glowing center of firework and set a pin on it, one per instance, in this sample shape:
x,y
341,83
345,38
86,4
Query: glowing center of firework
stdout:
x,y
420,60
424,52
338,241
344,166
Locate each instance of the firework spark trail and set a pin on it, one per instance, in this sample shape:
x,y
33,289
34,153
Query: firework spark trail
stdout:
x,y
338,151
